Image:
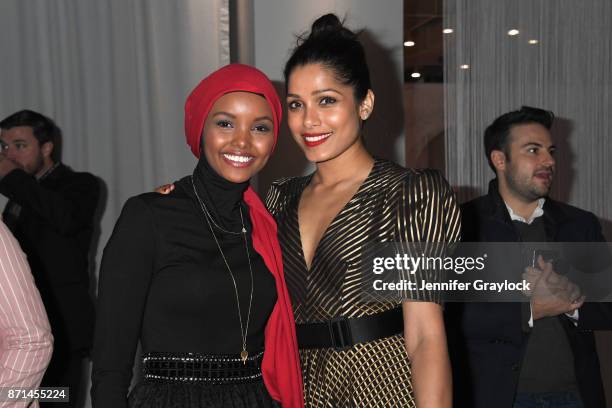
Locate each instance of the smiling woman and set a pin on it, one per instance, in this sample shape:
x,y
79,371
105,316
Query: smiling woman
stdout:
x,y
238,135
323,110
389,353
195,275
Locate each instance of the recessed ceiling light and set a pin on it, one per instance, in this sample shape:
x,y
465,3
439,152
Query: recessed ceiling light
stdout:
x,y
448,31
513,32
533,41
409,44
415,75
465,66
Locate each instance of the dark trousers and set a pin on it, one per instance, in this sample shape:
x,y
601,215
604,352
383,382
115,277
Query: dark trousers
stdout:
x,y
547,400
66,369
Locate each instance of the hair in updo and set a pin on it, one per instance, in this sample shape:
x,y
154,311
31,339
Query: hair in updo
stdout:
x,y
336,48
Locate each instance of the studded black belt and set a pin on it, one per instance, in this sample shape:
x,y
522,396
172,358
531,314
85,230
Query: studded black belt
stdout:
x,y
201,368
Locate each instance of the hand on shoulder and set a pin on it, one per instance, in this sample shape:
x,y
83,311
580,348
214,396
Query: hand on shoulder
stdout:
x,y
165,189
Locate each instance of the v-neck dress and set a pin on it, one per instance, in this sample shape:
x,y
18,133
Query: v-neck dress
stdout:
x,y
393,204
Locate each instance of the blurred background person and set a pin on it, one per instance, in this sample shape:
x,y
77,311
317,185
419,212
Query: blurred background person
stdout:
x,y
51,213
542,352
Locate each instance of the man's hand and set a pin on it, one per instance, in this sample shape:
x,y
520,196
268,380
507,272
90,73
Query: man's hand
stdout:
x,y
551,294
7,165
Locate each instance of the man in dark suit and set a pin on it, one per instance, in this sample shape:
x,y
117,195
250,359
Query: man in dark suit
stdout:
x,y
540,352
51,213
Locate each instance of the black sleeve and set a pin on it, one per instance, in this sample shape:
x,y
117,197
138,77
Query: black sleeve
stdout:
x,y
595,315
68,210
125,274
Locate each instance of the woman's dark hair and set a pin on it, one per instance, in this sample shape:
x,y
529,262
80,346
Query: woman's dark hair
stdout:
x,y
497,134
336,48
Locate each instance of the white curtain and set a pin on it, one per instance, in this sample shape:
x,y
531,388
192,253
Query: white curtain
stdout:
x,y
567,71
114,75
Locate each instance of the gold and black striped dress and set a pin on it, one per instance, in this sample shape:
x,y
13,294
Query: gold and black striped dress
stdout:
x,y
393,204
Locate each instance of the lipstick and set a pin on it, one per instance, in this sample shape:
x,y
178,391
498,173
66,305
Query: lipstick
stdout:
x,y
315,139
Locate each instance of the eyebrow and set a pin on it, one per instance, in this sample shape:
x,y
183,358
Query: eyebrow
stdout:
x,y
231,115
538,145
316,92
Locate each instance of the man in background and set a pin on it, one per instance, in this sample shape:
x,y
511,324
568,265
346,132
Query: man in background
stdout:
x,y
540,353
51,213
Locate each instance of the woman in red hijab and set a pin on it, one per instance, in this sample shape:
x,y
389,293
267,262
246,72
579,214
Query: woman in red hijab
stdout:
x,y
196,275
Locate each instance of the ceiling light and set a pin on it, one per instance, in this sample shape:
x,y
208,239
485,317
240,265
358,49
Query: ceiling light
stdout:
x,y
409,44
415,75
448,31
533,41
465,66
513,32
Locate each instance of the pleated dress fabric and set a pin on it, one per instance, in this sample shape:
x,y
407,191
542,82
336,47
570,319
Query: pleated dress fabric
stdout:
x,y
393,204
153,394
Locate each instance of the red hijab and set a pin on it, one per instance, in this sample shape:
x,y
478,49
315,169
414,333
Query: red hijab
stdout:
x,y
230,78
281,364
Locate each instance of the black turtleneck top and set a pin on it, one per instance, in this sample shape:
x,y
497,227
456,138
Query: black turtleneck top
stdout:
x,y
164,283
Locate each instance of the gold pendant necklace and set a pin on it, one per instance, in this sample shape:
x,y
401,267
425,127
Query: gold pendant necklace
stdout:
x,y
244,354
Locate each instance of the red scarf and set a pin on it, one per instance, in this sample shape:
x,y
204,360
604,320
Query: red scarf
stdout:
x,y
281,364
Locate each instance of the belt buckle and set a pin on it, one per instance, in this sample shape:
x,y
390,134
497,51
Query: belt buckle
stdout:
x,y
340,333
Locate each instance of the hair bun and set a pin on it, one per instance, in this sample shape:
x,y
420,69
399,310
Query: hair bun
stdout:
x,y
325,25
338,49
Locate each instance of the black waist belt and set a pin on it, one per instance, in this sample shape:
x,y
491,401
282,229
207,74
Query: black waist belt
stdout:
x,y
342,333
195,367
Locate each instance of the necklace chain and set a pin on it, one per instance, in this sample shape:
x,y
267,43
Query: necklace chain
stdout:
x,y
243,330
210,217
